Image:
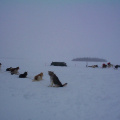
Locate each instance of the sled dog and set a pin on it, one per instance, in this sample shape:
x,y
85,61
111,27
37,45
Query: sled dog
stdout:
x,y
14,71
54,80
24,75
38,77
9,69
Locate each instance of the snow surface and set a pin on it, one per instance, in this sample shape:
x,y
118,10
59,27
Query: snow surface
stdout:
x,y
91,93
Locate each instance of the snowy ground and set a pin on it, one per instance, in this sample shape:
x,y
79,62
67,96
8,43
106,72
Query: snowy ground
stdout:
x,y
91,93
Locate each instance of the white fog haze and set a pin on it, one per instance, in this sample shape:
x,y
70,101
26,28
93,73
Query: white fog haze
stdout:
x,y
60,30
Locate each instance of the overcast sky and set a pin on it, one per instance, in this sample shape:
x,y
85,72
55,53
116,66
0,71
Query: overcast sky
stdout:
x,y
60,29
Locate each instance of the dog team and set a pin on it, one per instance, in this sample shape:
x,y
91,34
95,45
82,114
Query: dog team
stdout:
x,y
108,65
54,80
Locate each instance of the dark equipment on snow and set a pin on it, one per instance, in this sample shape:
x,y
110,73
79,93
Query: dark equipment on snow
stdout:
x,y
58,64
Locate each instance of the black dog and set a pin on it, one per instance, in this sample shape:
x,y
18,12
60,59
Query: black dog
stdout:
x,y
24,75
117,66
9,69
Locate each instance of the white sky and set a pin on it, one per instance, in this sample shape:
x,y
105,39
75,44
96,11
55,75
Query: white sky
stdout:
x,y
60,30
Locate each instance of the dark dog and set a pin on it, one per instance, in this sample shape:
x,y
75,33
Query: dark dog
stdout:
x,y
24,75
117,66
54,80
9,69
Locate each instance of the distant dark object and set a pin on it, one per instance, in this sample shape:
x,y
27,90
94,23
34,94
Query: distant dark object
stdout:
x,y
14,70
88,59
58,64
9,69
116,66
24,75
104,66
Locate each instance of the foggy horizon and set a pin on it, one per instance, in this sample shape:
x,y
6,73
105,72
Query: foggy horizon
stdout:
x,y
60,30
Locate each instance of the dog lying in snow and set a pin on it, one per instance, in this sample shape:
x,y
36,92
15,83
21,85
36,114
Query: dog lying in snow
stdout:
x,y
9,69
93,66
24,75
14,70
38,77
54,80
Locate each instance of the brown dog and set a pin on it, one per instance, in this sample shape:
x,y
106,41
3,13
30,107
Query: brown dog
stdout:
x,y
38,77
14,70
